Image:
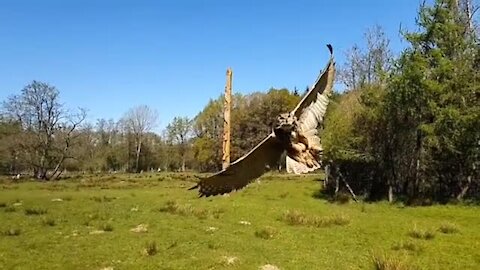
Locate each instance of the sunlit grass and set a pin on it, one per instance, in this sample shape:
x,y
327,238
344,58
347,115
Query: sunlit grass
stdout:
x,y
392,262
49,221
421,234
35,211
448,228
93,222
299,218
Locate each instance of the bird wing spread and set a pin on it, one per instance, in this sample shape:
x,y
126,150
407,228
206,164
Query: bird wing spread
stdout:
x,y
311,110
244,170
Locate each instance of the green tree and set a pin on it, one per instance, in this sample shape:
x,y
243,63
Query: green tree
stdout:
x,y
416,134
252,118
207,128
433,102
179,134
11,159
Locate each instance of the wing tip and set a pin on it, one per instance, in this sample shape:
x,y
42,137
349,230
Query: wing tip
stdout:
x,y
194,187
330,48
200,192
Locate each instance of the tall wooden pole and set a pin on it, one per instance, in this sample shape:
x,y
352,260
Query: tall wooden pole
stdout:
x,y
226,121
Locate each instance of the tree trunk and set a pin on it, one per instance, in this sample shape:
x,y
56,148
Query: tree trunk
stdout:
x,y
327,176
183,162
464,189
390,193
337,183
137,155
41,174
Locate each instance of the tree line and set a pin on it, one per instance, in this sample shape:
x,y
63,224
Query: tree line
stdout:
x,y
41,137
405,128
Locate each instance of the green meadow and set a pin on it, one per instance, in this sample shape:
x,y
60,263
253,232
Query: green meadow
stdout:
x,y
151,221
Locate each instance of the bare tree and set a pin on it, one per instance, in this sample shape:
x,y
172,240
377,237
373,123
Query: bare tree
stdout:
x,y
469,10
48,128
107,130
378,57
138,121
351,73
367,66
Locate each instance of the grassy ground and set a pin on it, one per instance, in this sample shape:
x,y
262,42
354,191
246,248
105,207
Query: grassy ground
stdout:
x,y
86,223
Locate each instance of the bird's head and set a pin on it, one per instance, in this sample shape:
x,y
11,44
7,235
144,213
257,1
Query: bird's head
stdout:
x,y
285,123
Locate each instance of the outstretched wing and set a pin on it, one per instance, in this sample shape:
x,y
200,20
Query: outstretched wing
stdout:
x,y
311,110
313,105
244,170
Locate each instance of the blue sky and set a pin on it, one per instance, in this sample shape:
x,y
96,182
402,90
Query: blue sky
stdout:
x,y
109,56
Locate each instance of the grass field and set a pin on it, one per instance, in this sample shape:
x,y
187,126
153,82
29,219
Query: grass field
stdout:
x,y
153,222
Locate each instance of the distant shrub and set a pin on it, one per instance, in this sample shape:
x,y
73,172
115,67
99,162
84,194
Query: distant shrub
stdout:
x,y
428,235
213,245
175,208
448,228
421,234
107,227
295,218
384,262
298,218
266,232
102,199
48,221
87,223
408,246
2,204
150,248
10,209
35,211
67,198
12,232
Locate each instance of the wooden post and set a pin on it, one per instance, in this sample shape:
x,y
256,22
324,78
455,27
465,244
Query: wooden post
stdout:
x,y
226,120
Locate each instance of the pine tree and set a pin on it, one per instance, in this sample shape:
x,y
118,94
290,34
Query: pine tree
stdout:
x,y
432,104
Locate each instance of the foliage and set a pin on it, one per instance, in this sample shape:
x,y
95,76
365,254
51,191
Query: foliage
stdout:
x,y
178,136
415,134
432,103
252,117
10,156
